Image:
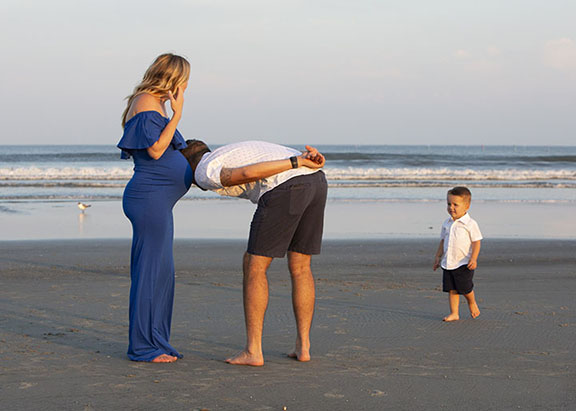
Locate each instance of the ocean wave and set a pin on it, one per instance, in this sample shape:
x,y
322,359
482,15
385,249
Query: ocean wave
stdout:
x,y
66,173
332,184
446,174
50,157
188,197
406,174
415,158
445,183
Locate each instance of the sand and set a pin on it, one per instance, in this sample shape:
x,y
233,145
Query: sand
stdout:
x,y
378,339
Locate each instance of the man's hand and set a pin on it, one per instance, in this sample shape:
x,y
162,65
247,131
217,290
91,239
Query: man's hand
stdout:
x,y
472,264
436,263
312,158
306,162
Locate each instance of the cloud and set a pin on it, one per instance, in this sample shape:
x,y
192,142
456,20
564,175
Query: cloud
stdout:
x,y
493,51
560,54
462,53
479,60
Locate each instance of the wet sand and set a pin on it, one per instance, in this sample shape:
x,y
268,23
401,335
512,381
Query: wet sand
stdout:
x,y
378,339
59,220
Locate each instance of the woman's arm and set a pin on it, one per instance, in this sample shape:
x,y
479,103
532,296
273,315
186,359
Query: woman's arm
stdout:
x,y
254,172
159,147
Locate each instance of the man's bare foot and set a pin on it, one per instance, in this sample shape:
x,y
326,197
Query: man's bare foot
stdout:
x,y
164,358
474,310
451,317
300,355
245,358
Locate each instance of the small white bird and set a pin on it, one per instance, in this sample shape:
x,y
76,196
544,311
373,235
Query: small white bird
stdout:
x,y
83,206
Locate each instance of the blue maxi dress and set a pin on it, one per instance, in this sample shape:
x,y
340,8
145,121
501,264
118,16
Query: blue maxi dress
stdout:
x,y
148,200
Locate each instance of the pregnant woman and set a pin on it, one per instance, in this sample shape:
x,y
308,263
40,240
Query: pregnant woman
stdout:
x,y
161,176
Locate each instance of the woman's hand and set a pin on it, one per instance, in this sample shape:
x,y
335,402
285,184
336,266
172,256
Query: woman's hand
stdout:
x,y
177,101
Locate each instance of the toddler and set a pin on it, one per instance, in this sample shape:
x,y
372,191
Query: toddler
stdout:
x,y
458,252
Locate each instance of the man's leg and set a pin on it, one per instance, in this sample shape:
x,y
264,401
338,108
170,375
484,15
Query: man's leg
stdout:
x,y
303,298
255,289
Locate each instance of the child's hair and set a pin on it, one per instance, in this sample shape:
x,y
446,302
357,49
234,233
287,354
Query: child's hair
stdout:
x,y
461,191
167,73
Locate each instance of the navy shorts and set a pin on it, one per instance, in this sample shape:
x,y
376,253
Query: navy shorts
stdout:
x,y
290,217
459,279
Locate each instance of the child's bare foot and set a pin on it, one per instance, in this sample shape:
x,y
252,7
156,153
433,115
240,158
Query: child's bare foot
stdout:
x,y
164,358
245,358
451,317
474,310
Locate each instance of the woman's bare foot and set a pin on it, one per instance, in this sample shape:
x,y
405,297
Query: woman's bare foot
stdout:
x,y
474,310
164,358
245,358
451,317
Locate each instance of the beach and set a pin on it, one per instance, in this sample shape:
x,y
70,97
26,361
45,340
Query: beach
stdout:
x,y
378,341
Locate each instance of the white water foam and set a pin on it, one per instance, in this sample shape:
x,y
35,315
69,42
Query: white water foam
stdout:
x,y
66,173
348,173
410,174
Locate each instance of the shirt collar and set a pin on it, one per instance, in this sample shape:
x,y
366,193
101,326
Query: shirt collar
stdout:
x,y
465,219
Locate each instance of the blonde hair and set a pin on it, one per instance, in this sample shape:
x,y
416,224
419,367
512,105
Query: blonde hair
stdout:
x,y
167,73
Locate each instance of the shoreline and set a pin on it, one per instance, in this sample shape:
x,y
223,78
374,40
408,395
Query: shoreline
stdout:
x,y
201,219
378,339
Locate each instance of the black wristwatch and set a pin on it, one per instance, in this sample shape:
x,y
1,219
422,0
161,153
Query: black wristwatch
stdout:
x,y
294,161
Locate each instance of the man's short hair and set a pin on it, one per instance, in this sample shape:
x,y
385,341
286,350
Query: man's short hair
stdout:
x,y
461,191
193,152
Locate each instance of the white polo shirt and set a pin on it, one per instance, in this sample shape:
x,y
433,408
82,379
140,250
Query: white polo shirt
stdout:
x,y
207,173
458,236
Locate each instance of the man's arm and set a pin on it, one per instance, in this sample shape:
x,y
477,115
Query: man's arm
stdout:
x,y
254,172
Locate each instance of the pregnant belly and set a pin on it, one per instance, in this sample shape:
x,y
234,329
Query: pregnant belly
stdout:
x,y
170,176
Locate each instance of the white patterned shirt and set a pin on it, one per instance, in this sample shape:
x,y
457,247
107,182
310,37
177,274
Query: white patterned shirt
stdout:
x,y
458,236
207,174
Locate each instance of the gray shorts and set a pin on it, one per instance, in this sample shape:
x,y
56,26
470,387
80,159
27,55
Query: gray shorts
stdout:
x,y
290,217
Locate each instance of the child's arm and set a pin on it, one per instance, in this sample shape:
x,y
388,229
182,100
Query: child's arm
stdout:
x,y
474,257
439,254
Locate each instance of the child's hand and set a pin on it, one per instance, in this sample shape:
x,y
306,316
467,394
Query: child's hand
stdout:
x,y
436,264
472,265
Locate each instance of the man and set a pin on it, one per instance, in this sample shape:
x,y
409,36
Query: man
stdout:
x,y
290,190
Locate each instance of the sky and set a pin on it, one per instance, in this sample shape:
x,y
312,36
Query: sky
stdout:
x,y
455,72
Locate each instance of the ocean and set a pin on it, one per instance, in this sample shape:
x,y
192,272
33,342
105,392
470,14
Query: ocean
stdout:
x,y
378,173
